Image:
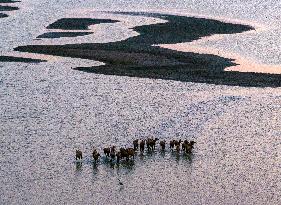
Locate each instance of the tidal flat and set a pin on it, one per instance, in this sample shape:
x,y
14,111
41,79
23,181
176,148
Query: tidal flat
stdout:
x,y
140,56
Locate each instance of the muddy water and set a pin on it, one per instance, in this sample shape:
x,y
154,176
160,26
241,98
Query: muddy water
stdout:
x,y
48,110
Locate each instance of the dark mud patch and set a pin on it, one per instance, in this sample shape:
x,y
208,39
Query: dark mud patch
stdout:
x,y
137,57
78,23
8,8
3,15
192,73
19,59
8,1
63,34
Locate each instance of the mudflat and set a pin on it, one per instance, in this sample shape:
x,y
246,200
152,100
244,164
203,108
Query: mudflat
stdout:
x,y
139,56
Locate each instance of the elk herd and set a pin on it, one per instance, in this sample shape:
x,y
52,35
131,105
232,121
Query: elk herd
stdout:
x,y
127,153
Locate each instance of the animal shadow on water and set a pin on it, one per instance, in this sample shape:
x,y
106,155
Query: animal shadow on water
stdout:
x,y
94,165
125,167
177,156
78,165
180,156
150,153
123,161
95,168
163,153
128,165
147,155
188,157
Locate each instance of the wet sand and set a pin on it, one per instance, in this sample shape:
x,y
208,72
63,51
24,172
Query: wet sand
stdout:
x,y
137,57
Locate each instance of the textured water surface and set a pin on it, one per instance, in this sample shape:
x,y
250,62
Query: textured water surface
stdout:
x,y
48,110
236,158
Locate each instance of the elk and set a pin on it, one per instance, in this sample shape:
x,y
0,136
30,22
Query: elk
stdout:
x,y
136,144
124,153
96,155
106,151
151,143
163,144
142,144
190,146
172,144
131,152
178,148
177,142
78,154
184,144
112,152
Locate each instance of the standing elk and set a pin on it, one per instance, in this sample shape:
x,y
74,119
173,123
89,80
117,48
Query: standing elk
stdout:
x,y
96,155
136,144
142,144
78,154
106,151
163,144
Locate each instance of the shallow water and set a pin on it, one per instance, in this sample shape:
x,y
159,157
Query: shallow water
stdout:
x,y
48,110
